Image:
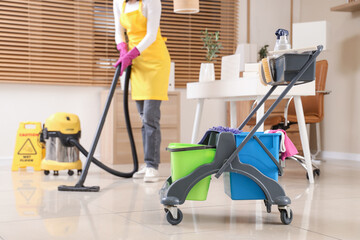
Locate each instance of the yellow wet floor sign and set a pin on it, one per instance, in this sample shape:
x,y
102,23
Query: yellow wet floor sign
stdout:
x,y
28,148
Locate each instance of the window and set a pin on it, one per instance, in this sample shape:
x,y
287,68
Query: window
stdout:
x,y
183,32
72,42
46,41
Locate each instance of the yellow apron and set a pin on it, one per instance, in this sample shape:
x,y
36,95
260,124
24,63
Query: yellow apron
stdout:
x,y
150,71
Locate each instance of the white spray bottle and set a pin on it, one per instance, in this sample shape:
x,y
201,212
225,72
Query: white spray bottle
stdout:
x,y
282,40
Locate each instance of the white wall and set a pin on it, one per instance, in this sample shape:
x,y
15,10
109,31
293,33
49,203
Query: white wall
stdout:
x,y
29,102
340,128
265,18
214,114
242,24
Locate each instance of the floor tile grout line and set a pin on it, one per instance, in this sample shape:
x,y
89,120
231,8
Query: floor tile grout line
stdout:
x,y
159,209
38,219
150,210
154,229
322,234
99,214
208,231
194,232
143,225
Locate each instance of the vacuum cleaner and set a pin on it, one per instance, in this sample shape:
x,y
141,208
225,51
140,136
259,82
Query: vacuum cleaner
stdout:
x,y
60,155
73,140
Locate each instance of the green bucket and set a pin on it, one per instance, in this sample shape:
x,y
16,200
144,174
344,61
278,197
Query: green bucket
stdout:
x,y
184,162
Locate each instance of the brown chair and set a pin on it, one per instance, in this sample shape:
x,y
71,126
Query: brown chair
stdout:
x,y
313,107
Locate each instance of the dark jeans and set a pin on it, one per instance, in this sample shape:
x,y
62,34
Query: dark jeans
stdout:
x,y
150,115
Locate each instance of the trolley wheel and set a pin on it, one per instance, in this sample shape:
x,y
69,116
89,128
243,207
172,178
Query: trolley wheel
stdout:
x,y
285,219
172,220
79,172
71,172
56,173
46,172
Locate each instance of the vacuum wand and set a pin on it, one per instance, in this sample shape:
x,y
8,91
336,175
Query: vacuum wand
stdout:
x,y
90,156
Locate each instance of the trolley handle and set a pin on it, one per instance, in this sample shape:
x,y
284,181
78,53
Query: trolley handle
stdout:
x,y
318,50
280,169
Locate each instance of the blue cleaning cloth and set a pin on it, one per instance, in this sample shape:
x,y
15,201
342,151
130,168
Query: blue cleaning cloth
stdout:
x,y
225,129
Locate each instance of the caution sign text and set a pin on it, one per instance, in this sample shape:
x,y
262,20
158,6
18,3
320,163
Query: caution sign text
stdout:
x,y
28,148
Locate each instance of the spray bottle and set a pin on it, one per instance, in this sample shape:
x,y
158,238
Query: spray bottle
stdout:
x,y
282,40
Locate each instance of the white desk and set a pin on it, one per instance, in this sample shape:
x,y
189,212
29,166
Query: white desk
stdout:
x,y
250,89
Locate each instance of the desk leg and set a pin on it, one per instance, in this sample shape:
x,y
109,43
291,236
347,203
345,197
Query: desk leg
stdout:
x,y
199,108
304,136
233,114
260,114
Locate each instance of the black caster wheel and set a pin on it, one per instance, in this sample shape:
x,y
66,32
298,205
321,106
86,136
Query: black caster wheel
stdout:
x,y
56,173
166,210
79,172
46,172
285,219
268,206
71,172
315,172
172,220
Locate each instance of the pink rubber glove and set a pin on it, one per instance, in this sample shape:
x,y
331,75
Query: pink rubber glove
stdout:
x,y
122,48
127,59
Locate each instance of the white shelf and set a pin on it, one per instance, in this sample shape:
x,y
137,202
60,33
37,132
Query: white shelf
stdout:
x,y
347,7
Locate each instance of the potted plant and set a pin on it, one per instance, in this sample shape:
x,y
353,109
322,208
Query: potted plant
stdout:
x,y
212,46
263,52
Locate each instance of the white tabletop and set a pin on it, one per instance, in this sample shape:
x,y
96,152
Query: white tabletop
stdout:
x,y
243,88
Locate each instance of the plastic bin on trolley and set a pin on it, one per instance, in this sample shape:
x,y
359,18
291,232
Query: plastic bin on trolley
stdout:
x,y
289,64
240,187
185,161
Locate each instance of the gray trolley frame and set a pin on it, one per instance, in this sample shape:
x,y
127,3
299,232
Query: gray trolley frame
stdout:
x,y
227,160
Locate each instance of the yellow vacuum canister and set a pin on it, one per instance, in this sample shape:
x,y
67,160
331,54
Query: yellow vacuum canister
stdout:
x,y
60,155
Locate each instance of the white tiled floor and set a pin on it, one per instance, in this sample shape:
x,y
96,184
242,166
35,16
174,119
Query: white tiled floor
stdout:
x,y
32,208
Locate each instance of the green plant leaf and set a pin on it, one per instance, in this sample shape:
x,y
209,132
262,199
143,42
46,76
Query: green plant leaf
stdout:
x,y
211,44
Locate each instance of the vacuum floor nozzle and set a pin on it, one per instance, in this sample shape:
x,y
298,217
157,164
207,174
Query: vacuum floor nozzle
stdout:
x,y
76,188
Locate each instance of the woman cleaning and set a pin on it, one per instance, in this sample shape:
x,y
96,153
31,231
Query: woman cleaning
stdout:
x,y
150,59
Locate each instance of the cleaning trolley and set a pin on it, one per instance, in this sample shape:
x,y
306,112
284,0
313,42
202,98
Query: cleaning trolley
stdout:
x,y
219,152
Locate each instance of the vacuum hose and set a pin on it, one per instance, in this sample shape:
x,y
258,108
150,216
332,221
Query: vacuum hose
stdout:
x,y
76,143
90,156
128,122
